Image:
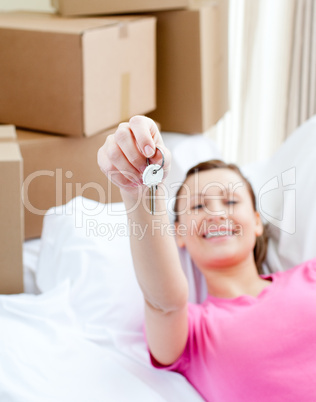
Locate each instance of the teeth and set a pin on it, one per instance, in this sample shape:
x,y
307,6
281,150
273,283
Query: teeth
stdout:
x,y
219,233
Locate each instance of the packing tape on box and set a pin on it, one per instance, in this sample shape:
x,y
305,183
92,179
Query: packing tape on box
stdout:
x,y
7,133
123,30
54,3
125,79
125,96
200,3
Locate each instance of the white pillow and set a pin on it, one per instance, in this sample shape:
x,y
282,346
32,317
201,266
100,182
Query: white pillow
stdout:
x,y
285,187
86,243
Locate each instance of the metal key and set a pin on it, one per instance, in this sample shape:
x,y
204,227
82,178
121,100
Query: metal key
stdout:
x,y
152,176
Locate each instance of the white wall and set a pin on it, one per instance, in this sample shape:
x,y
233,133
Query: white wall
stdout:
x,y
38,5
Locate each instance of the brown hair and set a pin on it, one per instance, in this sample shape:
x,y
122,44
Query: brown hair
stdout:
x,y
260,249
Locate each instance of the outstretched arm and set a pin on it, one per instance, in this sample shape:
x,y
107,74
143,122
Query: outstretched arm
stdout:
x,y
155,256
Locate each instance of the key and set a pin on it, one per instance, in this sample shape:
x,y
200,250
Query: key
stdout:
x,y
152,176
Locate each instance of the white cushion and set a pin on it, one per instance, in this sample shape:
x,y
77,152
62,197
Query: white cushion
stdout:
x,y
86,244
285,187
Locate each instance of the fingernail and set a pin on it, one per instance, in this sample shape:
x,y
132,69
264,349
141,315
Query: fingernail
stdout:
x,y
149,151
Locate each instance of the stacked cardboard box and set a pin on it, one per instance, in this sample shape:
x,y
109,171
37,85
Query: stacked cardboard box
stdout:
x,y
73,78
11,213
192,57
73,88
57,169
76,78
192,67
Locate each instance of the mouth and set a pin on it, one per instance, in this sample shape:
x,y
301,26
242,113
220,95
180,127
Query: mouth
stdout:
x,y
218,233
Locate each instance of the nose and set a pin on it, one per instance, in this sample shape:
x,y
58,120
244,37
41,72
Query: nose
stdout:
x,y
216,218
216,209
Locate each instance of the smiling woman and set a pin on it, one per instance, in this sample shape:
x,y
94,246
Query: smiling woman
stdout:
x,y
222,227
219,345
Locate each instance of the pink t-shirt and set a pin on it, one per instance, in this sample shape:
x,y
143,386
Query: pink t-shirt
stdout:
x,y
255,349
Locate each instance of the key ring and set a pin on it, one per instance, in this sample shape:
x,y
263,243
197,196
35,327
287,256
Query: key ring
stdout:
x,y
162,163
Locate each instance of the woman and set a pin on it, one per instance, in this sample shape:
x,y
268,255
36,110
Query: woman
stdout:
x,y
254,338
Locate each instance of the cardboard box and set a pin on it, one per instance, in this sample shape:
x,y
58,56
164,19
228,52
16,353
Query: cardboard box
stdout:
x,y
11,214
57,169
84,7
192,67
75,76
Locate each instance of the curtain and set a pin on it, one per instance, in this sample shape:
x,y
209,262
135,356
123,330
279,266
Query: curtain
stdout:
x,y
271,76
302,83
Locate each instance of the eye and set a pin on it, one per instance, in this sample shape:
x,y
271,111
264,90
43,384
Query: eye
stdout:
x,y
231,202
197,206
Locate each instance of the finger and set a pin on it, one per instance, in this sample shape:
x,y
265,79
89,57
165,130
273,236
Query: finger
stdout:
x,y
111,171
118,160
146,134
142,124
127,143
103,162
117,178
162,156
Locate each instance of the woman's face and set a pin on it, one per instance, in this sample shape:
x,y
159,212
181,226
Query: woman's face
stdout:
x,y
217,222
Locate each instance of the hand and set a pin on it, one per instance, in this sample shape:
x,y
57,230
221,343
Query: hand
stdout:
x,y
123,157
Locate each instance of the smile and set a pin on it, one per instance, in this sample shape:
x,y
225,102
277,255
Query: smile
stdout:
x,y
218,233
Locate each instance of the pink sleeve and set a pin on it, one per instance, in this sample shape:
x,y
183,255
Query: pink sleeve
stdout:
x,y
309,268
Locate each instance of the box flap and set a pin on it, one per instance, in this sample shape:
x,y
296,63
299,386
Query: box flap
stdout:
x,y
97,7
7,132
9,151
9,148
30,137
